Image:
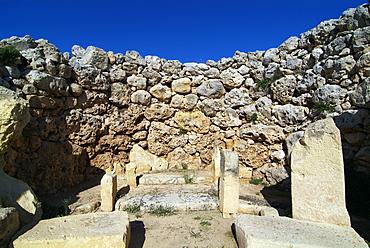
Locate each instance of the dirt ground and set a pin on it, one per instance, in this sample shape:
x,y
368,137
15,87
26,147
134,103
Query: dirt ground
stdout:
x,y
184,229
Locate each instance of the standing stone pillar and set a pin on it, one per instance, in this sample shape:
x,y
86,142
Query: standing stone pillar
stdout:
x,y
318,192
216,164
229,183
108,191
131,174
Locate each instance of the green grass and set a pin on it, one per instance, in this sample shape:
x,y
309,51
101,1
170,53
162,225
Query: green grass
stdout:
x,y
205,223
188,178
258,181
254,118
195,235
325,107
183,132
263,83
132,208
162,211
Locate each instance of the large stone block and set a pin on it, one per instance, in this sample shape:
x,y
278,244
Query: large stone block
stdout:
x,y
86,230
229,183
317,174
267,231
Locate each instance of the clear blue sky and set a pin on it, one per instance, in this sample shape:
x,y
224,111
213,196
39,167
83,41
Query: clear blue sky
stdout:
x,y
187,30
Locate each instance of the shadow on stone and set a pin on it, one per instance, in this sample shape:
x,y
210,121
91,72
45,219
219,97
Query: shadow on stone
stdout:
x,y
137,234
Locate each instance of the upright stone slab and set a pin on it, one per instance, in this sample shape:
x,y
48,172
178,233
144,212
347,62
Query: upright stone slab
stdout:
x,y
131,174
318,192
86,230
229,183
216,161
108,191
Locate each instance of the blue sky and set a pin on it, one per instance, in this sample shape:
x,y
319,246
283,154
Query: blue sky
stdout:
x,y
187,30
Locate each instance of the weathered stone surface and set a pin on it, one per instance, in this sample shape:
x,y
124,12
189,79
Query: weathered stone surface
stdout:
x,y
211,88
260,132
53,85
178,159
162,138
181,86
137,82
192,121
161,92
187,102
145,161
120,94
231,78
229,183
158,111
9,223
283,89
317,164
141,97
108,191
329,94
361,95
117,74
267,231
287,115
86,230
96,57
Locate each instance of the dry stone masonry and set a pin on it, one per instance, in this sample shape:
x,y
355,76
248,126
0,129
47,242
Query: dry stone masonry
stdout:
x,y
94,111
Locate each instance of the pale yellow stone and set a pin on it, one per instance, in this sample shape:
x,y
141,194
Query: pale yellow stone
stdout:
x,y
182,85
229,144
131,174
193,121
229,183
245,172
93,230
317,174
216,164
108,191
145,161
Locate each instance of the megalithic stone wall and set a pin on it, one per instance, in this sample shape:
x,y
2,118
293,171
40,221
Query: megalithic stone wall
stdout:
x,y
90,108
317,174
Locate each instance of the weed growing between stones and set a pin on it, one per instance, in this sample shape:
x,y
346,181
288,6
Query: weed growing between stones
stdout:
x,y
162,211
195,235
321,107
263,83
183,132
132,208
65,203
9,54
205,223
254,118
257,181
188,178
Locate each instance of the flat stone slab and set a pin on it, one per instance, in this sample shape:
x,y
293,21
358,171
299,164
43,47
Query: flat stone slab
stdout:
x,y
282,232
86,230
177,201
161,179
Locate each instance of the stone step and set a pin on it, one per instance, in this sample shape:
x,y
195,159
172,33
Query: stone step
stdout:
x,y
87,230
174,178
175,201
282,232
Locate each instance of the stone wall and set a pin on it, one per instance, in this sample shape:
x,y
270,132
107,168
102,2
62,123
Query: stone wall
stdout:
x,y
90,108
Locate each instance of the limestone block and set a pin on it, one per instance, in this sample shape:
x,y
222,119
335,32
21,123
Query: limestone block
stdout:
x,y
245,172
317,174
108,191
145,161
267,231
86,230
216,164
131,174
193,121
182,85
9,224
229,183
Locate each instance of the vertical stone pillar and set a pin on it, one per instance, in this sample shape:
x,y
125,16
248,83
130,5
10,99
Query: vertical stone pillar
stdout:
x,y
229,183
108,191
317,169
216,161
131,174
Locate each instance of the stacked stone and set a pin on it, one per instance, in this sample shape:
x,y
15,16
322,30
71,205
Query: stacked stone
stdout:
x,y
90,109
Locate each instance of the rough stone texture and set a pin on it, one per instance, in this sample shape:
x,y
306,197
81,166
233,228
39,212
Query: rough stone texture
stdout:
x,y
86,230
92,105
260,232
108,191
9,225
192,121
14,192
317,164
146,161
229,183
177,201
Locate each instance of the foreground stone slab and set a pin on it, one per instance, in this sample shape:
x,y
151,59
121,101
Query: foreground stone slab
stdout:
x,y
86,230
108,191
317,174
282,232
